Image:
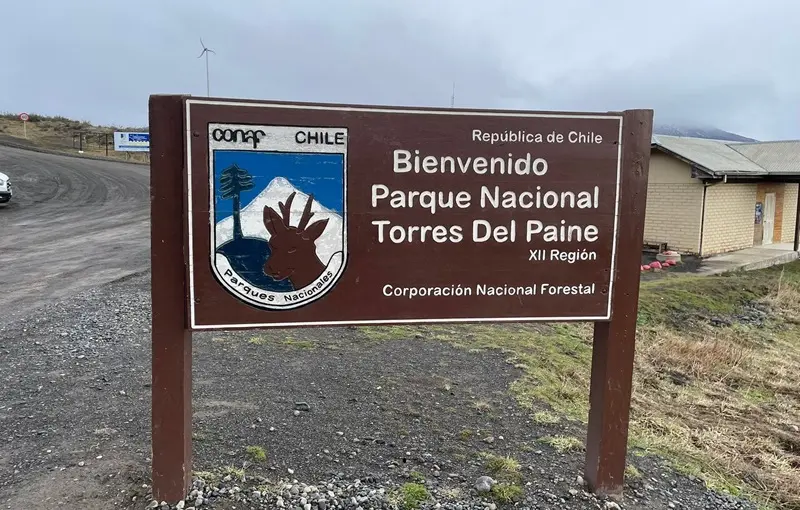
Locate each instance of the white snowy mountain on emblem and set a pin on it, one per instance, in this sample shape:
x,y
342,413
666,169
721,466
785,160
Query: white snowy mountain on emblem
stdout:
x,y
278,191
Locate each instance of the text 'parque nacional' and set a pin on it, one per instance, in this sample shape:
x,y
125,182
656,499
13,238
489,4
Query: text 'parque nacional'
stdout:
x,y
489,197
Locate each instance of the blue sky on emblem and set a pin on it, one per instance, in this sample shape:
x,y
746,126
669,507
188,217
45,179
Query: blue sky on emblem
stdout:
x,y
320,174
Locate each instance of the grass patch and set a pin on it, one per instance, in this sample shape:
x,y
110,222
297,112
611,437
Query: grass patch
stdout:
x,y
412,495
465,434
714,392
719,355
207,476
717,401
757,396
546,418
417,477
786,297
482,406
299,344
507,473
563,443
506,493
213,477
256,453
232,472
287,341
501,468
632,472
382,333
682,299
452,493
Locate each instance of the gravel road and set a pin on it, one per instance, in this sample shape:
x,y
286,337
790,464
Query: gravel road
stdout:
x,y
73,224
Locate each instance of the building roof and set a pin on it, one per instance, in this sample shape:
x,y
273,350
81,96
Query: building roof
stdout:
x,y
721,158
780,158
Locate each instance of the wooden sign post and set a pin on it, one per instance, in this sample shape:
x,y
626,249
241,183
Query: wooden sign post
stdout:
x,y
270,214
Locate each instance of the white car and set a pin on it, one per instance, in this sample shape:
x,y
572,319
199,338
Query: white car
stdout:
x,y
5,189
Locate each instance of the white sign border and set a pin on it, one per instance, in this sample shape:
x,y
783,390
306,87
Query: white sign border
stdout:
x,y
188,137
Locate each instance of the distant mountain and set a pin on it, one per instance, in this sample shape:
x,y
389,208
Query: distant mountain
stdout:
x,y
699,132
278,190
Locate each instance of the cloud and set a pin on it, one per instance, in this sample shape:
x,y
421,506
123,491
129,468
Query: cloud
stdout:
x,y
731,65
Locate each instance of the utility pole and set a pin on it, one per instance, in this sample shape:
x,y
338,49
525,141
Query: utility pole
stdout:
x,y
453,96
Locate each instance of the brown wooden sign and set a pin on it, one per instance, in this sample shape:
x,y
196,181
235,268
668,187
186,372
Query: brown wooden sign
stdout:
x,y
308,215
268,214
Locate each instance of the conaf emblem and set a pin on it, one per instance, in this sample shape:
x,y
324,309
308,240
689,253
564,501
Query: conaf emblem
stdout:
x,y
278,212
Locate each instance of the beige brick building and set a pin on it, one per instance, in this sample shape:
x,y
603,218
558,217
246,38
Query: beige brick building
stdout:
x,y
706,197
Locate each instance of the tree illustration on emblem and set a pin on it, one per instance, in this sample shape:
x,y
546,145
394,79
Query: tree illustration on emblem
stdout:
x,y
233,182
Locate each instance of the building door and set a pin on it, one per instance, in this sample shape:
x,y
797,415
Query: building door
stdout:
x,y
769,218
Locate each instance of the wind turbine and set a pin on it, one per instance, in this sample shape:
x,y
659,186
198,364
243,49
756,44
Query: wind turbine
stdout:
x,y
205,52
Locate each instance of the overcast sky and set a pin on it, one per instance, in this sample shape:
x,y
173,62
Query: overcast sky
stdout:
x,y
726,63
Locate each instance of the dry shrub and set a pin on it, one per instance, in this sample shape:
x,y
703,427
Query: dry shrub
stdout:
x,y
786,300
729,418
724,402
711,357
